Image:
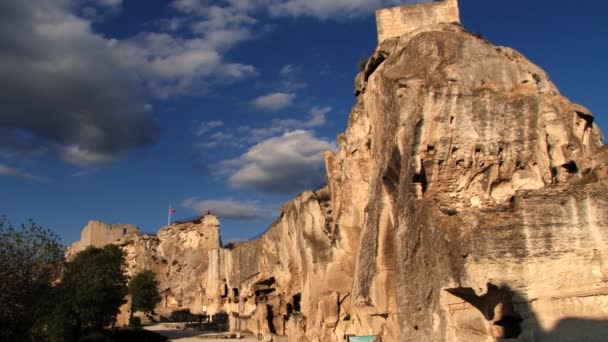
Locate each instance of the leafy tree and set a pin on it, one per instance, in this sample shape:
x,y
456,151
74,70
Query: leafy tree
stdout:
x,y
143,289
90,294
31,259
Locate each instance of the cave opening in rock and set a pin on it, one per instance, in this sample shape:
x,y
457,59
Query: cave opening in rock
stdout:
x,y
224,291
270,319
570,167
235,294
296,302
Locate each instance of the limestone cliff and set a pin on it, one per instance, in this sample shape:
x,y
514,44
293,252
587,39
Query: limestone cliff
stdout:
x,y
467,202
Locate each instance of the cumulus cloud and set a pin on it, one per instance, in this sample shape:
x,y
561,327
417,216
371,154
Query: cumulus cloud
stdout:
x,y
274,102
290,163
228,209
6,171
64,87
61,86
169,65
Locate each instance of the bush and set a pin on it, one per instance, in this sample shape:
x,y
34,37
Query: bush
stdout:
x,y
362,64
135,322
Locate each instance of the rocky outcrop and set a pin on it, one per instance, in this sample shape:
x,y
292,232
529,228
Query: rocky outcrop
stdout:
x,y
467,202
179,256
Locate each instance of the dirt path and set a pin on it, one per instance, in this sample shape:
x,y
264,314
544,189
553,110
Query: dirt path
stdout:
x,y
170,331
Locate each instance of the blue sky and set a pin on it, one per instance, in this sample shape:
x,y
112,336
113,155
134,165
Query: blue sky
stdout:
x,y
112,109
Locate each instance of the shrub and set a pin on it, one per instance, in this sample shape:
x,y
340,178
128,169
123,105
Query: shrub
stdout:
x,y
362,63
135,322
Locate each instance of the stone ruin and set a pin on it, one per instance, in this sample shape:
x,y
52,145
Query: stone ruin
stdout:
x,y
400,20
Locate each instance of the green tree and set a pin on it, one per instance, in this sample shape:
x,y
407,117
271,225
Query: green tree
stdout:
x,y
31,260
91,292
143,289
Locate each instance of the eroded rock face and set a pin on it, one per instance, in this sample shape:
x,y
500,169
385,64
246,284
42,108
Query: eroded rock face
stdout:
x,y
467,202
179,256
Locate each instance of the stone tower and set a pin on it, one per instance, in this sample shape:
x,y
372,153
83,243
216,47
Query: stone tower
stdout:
x,y
400,20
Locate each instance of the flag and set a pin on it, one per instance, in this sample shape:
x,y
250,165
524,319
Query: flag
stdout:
x,y
172,210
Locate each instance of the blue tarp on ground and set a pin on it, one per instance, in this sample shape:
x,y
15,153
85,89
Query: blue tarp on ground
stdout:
x,y
361,338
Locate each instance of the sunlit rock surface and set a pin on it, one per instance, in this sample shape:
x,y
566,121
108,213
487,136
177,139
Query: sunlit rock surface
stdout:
x,y
467,202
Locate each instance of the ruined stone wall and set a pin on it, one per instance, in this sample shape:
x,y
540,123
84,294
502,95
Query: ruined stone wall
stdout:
x,y
400,20
99,234
178,254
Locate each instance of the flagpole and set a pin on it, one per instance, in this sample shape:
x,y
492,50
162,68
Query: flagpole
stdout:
x,y
169,216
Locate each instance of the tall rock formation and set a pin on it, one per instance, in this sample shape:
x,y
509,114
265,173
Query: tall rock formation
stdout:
x,y
467,202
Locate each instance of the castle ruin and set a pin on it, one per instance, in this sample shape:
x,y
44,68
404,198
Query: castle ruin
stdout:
x,y
397,21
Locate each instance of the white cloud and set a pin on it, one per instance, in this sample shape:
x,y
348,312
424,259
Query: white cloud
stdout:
x,y
286,164
110,3
169,65
317,119
274,102
85,158
288,80
280,126
207,126
7,171
228,209
246,135
221,136
287,70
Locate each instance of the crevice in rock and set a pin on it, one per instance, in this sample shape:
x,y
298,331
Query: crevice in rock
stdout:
x,y
420,181
374,62
270,319
587,117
